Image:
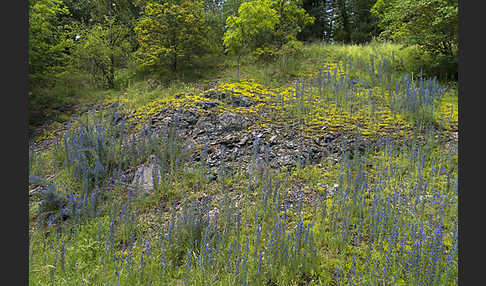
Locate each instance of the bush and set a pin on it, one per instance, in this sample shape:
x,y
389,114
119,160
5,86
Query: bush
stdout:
x,y
172,37
265,54
416,61
292,49
101,49
124,78
51,205
431,25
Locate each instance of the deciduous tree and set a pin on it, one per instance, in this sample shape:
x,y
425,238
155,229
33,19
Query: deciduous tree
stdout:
x,y
255,20
49,43
430,24
171,35
102,48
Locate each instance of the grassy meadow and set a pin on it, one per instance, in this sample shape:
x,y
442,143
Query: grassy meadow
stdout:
x,y
382,214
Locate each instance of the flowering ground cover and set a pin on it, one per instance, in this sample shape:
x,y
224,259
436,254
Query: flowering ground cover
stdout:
x,y
380,213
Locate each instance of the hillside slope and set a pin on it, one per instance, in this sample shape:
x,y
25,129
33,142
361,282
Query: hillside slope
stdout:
x,y
347,174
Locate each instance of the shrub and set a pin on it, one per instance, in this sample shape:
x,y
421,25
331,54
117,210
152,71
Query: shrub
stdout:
x,y
172,37
292,49
101,49
265,54
51,205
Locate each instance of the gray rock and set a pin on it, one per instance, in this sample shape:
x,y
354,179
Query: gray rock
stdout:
x,y
144,176
205,123
273,139
230,122
230,98
244,140
117,117
241,101
207,104
286,160
187,118
213,214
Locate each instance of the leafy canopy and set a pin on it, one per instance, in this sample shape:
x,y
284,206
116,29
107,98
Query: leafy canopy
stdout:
x,y
101,47
293,18
254,20
258,23
171,34
48,40
430,24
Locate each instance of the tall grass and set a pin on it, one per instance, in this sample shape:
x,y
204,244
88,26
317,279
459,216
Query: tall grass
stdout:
x,y
386,215
392,219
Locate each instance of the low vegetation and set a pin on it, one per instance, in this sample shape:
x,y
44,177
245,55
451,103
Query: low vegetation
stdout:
x,y
281,162
384,214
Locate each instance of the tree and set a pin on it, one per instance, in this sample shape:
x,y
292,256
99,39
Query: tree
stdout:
x,y
89,13
321,28
267,25
171,35
49,43
255,20
342,21
430,24
230,7
214,18
92,12
365,24
102,48
292,19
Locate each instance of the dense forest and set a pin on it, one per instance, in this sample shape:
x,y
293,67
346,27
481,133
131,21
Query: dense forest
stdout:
x,y
74,45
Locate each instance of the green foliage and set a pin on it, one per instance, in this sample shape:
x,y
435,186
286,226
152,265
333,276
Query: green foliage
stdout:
x,y
49,41
290,58
172,35
230,7
264,22
430,24
292,19
292,48
52,81
214,17
255,20
264,28
265,53
102,48
364,22
347,21
92,12
321,28
343,25
254,24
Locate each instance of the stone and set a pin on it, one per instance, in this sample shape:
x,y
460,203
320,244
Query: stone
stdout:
x,y
243,140
286,160
143,179
230,122
239,101
273,139
207,104
117,117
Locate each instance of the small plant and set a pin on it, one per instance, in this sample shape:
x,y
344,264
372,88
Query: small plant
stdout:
x,y
51,205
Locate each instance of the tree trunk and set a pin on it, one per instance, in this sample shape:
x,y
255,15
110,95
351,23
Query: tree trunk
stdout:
x,y
238,69
111,74
345,20
174,64
174,60
111,68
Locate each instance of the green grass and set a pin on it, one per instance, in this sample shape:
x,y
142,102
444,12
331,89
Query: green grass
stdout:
x,y
383,216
